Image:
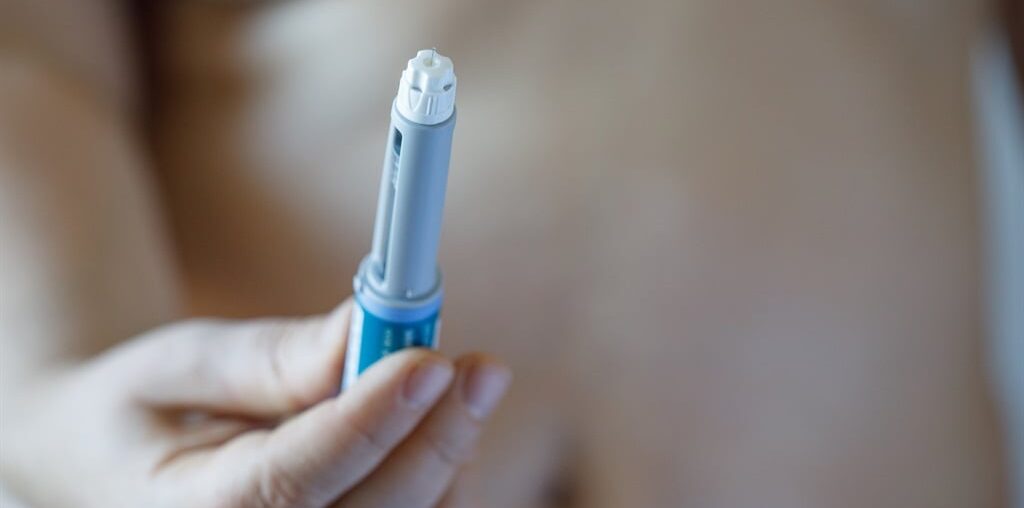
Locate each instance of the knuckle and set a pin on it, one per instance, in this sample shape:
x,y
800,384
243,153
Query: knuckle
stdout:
x,y
362,438
275,342
277,489
453,451
291,387
182,339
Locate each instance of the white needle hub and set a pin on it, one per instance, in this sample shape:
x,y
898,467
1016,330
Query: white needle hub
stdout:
x,y
426,93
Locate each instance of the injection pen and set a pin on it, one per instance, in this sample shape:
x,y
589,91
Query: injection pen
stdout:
x,y
398,290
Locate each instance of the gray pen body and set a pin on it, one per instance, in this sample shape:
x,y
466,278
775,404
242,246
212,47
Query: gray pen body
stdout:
x,y
398,288
403,260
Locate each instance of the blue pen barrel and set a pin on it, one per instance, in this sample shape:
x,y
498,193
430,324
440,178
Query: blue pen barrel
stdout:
x,y
372,337
398,288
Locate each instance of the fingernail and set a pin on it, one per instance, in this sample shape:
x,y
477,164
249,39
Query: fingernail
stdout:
x,y
483,389
427,382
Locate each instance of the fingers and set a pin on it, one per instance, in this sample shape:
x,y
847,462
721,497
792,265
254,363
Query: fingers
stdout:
x,y
421,469
263,368
315,457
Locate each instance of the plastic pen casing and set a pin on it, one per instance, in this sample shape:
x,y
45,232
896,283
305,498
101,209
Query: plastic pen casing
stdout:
x,y
398,287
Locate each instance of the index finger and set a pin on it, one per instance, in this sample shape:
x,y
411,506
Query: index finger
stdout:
x,y
324,451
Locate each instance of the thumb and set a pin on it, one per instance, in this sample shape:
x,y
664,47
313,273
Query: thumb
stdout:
x,y
262,368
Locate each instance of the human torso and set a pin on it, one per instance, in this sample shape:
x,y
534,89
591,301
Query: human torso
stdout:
x,y
730,250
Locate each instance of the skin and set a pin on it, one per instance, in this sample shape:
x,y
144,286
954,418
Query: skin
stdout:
x,y
730,251
110,398
208,413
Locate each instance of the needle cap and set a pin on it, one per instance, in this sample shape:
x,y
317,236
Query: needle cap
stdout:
x,y
426,93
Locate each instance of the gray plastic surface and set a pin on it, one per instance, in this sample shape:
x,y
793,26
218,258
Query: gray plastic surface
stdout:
x,y
402,264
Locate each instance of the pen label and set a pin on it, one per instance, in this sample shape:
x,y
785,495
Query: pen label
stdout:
x,y
372,338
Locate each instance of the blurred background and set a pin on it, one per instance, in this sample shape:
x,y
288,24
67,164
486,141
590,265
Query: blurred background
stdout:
x,y
733,250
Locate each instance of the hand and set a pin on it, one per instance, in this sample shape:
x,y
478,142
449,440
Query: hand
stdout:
x,y
240,414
